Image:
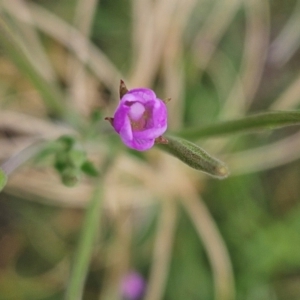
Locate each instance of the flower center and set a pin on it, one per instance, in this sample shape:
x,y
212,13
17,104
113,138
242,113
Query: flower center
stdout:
x,y
136,111
138,116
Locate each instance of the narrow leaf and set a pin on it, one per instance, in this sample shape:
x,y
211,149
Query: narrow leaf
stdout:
x,y
3,179
268,121
81,261
89,231
89,169
195,157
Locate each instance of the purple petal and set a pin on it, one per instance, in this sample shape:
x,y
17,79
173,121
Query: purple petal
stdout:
x,y
126,130
132,286
142,95
120,116
152,133
139,144
159,113
157,124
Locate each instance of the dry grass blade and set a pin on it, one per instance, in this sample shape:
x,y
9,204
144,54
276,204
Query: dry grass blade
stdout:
x,y
215,247
84,15
172,64
256,45
140,19
97,61
265,157
20,130
16,161
289,98
28,38
174,80
155,31
118,261
44,186
234,103
162,251
248,78
213,29
288,40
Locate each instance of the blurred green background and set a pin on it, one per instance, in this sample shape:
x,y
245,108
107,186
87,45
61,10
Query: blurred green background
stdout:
x,y
190,236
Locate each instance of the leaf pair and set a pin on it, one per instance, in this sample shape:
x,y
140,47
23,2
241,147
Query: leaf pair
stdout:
x,y
71,161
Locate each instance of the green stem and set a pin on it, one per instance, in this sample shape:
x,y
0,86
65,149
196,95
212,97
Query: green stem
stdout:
x,y
268,120
86,241
85,247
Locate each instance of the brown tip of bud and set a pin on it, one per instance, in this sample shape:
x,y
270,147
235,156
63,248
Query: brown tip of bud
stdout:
x,y
110,120
123,89
167,100
161,140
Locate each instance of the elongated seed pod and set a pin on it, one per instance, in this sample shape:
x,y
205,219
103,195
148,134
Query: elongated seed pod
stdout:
x,y
195,157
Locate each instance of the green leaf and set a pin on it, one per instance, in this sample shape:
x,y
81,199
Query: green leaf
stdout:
x,y
195,157
89,169
61,161
3,179
268,120
96,116
77,157
67,142
70,176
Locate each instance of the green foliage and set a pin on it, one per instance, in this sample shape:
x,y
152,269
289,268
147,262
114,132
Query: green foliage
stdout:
x,y
88,168
71,161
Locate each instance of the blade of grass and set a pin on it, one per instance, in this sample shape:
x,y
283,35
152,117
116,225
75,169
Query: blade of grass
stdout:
x,y
255,46
287,43
78,88
162,253
86,241
3,179
216,23
20,158
215,246
267,121
265,157
289,98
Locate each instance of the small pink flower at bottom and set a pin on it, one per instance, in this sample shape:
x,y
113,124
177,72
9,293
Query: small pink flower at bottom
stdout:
x,y
132,286
140,118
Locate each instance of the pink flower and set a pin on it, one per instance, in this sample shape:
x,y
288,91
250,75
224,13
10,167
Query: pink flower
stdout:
x,y
132,286
140,118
